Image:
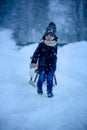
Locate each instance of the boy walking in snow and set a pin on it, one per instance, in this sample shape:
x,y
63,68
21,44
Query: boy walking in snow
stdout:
x,y
46,55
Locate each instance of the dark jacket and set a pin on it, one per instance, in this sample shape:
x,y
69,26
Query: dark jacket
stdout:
x,y
46,57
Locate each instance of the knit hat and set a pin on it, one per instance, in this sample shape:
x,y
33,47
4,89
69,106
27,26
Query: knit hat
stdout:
x,y
51,30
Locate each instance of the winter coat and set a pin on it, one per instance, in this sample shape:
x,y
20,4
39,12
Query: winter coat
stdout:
x,y
46,57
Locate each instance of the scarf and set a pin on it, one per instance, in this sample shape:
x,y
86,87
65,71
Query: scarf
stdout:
x,y
50,43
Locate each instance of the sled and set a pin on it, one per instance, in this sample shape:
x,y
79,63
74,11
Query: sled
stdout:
x,y
34,76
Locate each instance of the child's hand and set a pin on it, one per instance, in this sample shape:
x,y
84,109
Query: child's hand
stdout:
x,y
33,65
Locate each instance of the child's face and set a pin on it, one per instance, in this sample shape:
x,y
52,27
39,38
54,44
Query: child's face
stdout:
x,y
49,38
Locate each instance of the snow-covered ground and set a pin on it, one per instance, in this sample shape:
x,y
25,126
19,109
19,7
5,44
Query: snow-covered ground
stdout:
x,y
21,108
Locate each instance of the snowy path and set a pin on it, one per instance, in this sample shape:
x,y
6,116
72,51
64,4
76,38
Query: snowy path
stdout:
x,y
20,106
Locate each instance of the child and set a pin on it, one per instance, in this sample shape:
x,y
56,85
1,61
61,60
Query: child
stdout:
x,y
46,55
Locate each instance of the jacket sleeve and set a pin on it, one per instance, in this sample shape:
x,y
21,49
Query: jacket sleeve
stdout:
x,y
36,55
54,61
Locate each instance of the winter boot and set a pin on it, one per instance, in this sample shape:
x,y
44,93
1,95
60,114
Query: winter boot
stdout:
x,y
49,94
39,91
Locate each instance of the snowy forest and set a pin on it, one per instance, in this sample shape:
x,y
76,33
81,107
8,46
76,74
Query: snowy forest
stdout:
x,y
29,18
